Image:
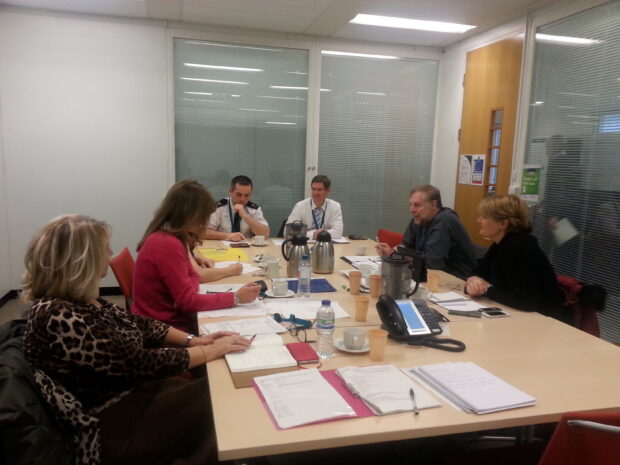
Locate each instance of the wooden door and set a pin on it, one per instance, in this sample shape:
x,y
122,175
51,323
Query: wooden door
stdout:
x,y
491,90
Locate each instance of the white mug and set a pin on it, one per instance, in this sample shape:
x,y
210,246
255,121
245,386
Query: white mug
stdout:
x,y
366,269
279,287
272,269
259,240
353,338
360,250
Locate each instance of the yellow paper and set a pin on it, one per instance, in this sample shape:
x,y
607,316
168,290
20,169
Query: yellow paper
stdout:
x,y
224,255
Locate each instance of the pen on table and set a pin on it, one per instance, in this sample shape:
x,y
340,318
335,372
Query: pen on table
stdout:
x,y
239,259
415,404
252,338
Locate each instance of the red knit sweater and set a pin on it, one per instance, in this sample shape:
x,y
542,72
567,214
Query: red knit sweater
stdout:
x,y
165,285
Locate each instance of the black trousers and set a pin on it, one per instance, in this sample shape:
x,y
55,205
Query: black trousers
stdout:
x,y
165,421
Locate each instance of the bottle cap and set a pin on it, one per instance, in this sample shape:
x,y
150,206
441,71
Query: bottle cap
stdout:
x,y
305,257
326,302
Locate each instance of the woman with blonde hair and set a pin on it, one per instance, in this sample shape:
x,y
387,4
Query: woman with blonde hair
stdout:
x,y
105,372
515,270
165,285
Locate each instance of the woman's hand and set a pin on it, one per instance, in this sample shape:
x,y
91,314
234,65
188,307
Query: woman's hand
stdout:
x,y
476,286
234,269
202,261
207,339
225,344
248,293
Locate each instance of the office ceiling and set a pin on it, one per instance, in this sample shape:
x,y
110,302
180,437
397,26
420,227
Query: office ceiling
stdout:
x,y
325,18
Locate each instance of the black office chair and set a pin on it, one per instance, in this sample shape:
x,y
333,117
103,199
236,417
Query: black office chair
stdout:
x,y
281,230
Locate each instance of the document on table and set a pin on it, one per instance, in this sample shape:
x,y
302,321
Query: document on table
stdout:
x,y
385,388
463,305
213,288
247,268
451,296
301,308
472,388
219,255
277,242
357,260
247,327
255,308
268,353
300,397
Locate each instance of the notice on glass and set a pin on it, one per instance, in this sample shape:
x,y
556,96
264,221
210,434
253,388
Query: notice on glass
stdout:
x,y
530,183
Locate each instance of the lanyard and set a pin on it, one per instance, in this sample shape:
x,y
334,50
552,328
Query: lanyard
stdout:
x,y
316,223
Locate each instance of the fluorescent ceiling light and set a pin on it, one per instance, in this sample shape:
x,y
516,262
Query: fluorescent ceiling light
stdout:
x,y
371,93
326,90
213,44
406,23
235,95
257,109
577,94
289,87
565,40
225,68
283,123
362,55
582,116
198,93
213,80
202,100
538,102
295,72
282,98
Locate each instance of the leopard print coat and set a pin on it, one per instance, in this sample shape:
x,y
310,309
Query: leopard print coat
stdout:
x,y
86,358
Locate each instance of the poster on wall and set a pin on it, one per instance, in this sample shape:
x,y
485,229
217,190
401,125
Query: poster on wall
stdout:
x,y
471,169
530,183
477,172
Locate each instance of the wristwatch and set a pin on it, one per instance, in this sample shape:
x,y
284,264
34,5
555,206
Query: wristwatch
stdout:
x,y
235,299
188,339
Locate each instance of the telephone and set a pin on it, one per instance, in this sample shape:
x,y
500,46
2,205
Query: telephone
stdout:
x,y
415,323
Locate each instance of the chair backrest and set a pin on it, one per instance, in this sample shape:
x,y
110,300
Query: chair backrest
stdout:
x,y
391,238
583,301
577,444
122,266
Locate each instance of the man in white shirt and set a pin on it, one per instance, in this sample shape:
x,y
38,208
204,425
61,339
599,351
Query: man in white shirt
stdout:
x,y
236,218
318,212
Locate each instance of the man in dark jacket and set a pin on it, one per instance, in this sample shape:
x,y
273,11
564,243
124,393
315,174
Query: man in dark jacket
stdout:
x,y
437,232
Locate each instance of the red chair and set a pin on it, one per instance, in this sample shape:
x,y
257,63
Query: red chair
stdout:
x,y
391,238
584,301
122,266
584,438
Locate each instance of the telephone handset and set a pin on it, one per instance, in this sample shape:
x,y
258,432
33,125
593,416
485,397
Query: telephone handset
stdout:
x,y
414,323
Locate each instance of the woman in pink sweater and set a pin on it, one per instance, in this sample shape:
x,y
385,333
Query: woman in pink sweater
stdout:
x,y
165,283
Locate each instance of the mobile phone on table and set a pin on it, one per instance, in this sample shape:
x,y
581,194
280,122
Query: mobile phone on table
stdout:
x,y
494,312
237,245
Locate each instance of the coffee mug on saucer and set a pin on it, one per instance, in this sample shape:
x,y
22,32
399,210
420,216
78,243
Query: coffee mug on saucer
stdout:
x,y
259,240
279,287
353,338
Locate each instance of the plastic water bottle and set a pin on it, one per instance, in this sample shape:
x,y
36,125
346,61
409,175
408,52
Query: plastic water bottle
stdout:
x,y
325,319
304,274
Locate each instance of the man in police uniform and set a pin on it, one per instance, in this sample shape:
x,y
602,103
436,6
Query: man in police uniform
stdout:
x,y
236,218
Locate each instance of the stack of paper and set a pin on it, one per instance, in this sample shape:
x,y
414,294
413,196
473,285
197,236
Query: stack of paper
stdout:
x,y
385,388
454,301
472,388
247,327
302,397
269,352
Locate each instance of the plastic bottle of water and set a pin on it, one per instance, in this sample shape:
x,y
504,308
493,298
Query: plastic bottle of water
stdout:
x,y
325,319
304,274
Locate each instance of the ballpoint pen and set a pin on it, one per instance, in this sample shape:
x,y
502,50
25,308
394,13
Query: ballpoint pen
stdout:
x,y
252,338
415,405
239,259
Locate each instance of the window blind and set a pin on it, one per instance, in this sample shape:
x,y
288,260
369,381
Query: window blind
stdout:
x,y
376,136
241,109
574,136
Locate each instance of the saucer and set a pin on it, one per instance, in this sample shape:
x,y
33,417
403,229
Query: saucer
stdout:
x,y
264,244
269,293
339,344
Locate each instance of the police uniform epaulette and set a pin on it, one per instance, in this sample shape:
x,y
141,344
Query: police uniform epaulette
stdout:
x,y
252,205
222,202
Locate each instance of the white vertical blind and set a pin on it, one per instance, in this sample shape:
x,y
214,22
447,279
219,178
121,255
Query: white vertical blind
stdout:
x,y
241,109
376,135
574,134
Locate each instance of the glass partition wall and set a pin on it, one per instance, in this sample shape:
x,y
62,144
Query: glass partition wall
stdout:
x,y
241,109
574,136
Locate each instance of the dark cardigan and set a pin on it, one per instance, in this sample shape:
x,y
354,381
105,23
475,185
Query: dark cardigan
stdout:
x,y
522,277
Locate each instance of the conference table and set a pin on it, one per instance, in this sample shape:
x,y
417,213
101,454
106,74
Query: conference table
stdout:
x,y
564,368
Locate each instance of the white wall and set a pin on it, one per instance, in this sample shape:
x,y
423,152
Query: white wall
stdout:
x,y
450,105
5,280
84,126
